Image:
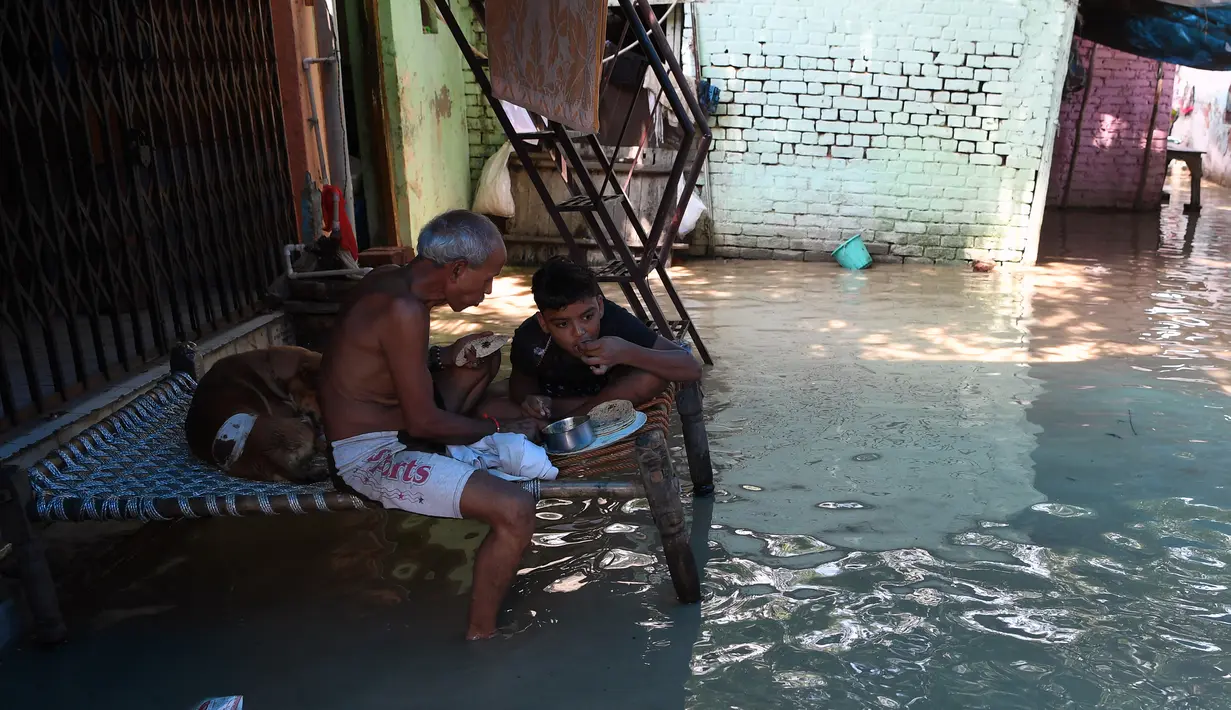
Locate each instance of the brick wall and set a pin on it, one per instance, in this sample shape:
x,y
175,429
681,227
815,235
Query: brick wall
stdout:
x,y
921,125
484,130
1107,169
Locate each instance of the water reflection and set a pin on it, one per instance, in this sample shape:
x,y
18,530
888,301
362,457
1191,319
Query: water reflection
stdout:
x,y
1112,590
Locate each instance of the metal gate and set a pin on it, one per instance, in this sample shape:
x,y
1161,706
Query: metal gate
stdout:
x,y
144,181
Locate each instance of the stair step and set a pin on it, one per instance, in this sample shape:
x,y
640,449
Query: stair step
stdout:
x,y
583,203
679,329
614,271
536,135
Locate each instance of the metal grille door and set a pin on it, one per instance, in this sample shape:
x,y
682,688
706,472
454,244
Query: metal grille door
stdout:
x,y
144,180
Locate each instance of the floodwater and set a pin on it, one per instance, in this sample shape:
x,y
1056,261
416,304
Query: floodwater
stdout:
x,y
937,489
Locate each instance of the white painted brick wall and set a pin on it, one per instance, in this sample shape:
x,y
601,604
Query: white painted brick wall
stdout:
x,y
921,124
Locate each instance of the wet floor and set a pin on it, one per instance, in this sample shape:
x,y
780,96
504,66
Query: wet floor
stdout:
x,y
937,489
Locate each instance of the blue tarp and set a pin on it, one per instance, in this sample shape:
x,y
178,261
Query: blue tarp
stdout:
x,y
1194,33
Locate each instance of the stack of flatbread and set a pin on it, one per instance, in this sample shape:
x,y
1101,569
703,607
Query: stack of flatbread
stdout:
x,y
610,417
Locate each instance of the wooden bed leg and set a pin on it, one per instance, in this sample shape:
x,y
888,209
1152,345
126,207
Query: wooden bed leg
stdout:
x,y
184,359
36,580
696,440
662,490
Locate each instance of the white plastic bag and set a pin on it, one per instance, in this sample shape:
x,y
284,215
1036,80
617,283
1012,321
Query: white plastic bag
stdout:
x,y
692,214
494,195
520,118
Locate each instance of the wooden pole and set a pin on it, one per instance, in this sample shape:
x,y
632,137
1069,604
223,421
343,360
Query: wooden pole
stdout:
x,y
380,197
1145,160
184,359
1081,117
622,490
696,440
662,492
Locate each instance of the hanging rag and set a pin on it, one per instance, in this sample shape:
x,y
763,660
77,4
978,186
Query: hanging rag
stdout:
x,y
509,456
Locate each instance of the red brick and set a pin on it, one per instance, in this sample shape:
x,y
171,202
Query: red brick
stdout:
x,y
1117,118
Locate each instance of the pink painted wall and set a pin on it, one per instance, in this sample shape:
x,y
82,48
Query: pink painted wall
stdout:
x,y
1208,126
1113,133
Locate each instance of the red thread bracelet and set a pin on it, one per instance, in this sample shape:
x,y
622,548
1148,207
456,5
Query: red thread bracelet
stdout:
x,y
493,420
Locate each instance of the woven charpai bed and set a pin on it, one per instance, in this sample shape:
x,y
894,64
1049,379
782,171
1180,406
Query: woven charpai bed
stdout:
x,y
135,465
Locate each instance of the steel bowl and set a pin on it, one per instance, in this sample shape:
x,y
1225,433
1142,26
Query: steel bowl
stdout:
x,y
568,435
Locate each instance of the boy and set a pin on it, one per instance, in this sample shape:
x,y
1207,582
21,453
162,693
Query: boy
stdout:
x,y
581,350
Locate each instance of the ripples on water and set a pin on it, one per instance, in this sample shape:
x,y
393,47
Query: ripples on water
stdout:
x,y
1135,616
1025,626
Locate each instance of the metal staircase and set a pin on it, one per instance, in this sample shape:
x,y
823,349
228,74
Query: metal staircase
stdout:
x,y
593,203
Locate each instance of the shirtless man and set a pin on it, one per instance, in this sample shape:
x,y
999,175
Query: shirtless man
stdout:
x,y
378,379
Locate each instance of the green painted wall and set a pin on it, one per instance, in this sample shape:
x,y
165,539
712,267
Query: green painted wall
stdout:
x,y
425,92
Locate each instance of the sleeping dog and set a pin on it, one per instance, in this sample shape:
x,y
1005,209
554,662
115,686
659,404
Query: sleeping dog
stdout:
x,y
255,416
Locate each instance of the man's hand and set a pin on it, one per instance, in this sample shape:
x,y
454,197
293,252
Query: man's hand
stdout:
x,y
530,427
606,352
537,406
451,352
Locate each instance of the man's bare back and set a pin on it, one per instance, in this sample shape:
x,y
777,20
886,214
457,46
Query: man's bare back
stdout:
x,y
357,388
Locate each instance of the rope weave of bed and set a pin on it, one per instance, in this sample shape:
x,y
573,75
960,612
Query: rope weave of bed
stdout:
x,y
136,465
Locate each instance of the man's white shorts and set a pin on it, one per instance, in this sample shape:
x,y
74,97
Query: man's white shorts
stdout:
x,y
379,467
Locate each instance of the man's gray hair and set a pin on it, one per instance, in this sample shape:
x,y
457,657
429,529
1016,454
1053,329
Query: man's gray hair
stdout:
x,y
459,235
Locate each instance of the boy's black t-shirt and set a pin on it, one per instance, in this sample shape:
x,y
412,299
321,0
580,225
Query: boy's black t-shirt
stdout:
x,y
563,374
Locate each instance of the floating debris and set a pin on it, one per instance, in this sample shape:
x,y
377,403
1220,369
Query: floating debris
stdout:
x,y
842,505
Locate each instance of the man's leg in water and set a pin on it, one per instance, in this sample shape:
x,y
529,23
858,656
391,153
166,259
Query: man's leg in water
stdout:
x,y
509,510
429,484
462,388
